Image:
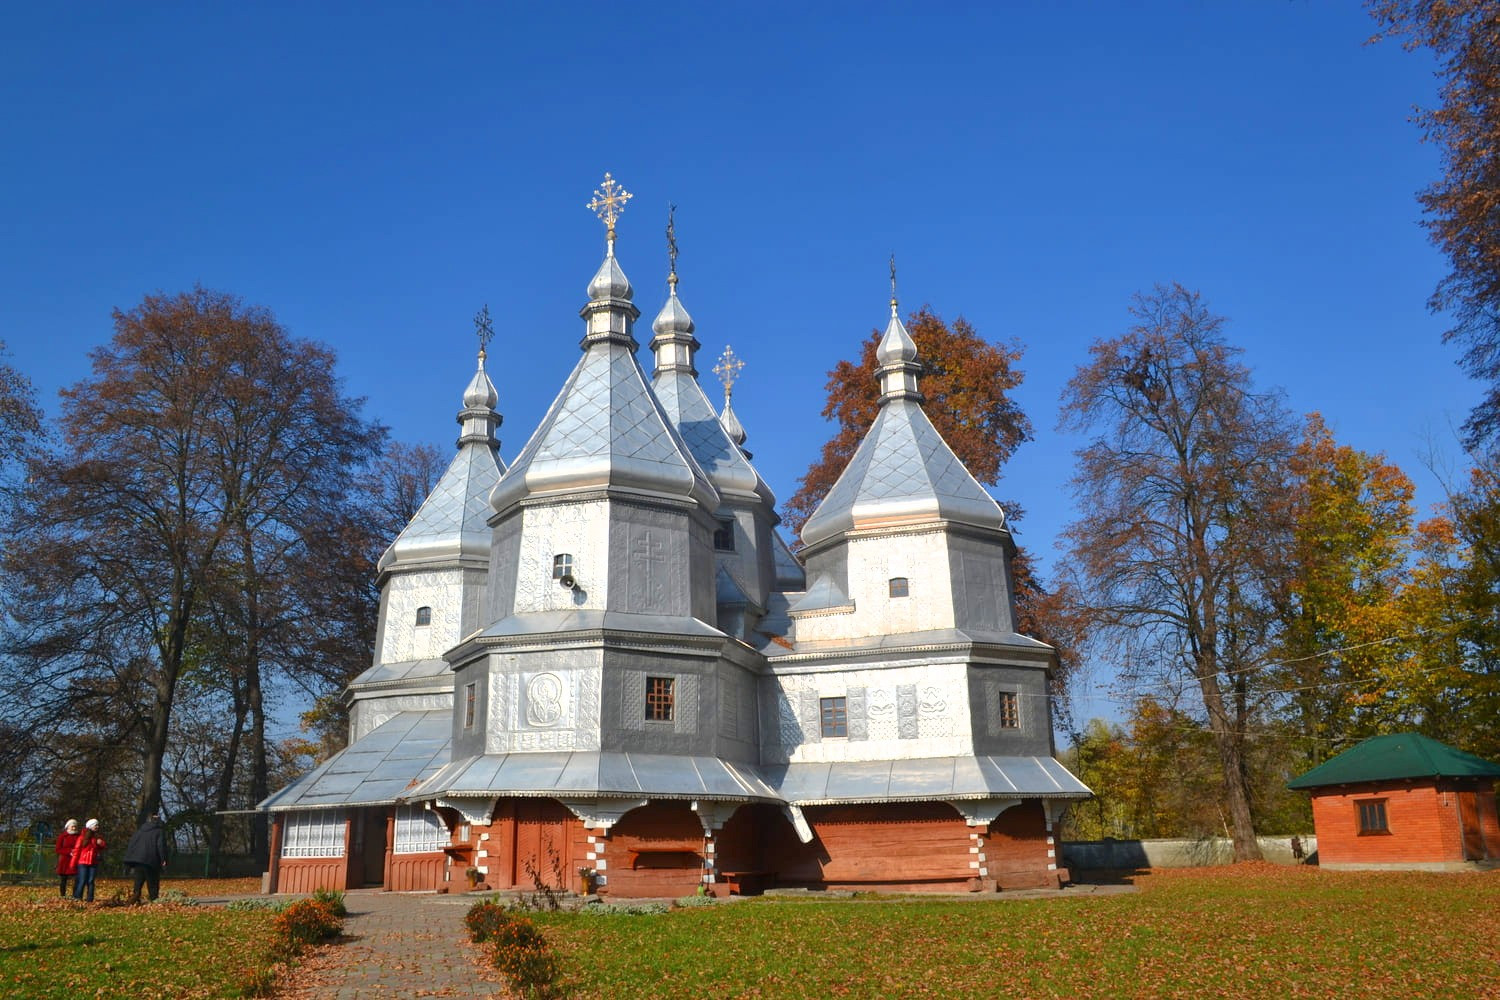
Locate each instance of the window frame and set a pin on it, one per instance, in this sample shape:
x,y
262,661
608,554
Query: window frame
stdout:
x,y
419,831
424,616
833,717
562,565
1366,813
898,587
471,700
724,535
314,833
1008,710
660,699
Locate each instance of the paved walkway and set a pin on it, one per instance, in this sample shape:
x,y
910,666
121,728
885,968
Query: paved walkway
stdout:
x,y
414,944
397,944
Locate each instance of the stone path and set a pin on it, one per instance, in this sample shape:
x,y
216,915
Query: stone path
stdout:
x,y
397,944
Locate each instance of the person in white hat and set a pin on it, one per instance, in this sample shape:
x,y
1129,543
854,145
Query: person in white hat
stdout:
x,y
87,855
66,867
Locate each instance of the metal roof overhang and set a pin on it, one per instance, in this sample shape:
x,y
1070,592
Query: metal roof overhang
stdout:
x,y
377,769
596,774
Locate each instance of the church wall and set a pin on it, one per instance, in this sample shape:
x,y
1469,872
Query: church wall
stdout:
x,y
656,557
505,560
906,845
1018,850
578,528
980,583
623,703
542,700
1031,736
402,638
895,710
737,730
656,850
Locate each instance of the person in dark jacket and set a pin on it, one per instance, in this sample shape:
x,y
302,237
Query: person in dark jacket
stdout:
x,y
146,856
67,867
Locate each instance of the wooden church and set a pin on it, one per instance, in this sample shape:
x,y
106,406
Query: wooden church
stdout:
x,y
603,658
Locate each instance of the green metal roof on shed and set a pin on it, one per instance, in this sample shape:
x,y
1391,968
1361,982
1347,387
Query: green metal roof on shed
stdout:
x,y
1399,755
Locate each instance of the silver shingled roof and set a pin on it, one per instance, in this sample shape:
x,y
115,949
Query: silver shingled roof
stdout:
x,y
376,770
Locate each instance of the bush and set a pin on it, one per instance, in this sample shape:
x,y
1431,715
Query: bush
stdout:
x,y
335,900
531,968
484,920
306,922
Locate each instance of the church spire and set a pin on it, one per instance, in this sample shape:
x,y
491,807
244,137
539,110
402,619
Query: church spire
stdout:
x,y
674,343
478,417
610,314
728,370
897,355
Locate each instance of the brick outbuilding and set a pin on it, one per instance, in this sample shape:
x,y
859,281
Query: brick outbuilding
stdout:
x,y
1404,801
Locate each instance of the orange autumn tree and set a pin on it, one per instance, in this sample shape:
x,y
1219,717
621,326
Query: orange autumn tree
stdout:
x,y
1342,624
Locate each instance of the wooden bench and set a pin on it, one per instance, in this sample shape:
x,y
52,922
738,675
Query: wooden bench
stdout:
x,y
747,883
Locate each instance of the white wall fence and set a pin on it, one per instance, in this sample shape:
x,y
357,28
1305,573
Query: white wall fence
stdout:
x,y
1103,854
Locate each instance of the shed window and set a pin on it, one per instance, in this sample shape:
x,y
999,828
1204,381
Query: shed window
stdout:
x,y
316,833
424,616
659,699
1010,710
419,831
1372,816
899,586
835,716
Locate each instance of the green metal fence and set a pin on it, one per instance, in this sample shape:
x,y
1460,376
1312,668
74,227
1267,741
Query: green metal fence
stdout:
x,y
24,860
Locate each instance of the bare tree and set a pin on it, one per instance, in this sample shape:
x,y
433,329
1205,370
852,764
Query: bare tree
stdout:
x,y
1179,495
207,447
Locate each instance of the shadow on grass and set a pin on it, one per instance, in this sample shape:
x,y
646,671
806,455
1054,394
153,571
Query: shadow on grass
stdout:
x,y
1107,876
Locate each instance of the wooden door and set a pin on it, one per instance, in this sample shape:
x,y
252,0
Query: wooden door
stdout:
x,y
541,844
1468,825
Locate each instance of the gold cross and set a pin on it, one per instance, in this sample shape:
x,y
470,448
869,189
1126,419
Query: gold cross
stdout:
x,y
728,369
609,201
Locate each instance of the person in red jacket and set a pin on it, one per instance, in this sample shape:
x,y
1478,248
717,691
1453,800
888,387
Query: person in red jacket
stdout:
x,y
66,868
87,855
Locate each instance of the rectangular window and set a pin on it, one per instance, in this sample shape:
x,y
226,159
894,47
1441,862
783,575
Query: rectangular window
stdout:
x,y
471,694
724,536
316,833
1372,816
424,616
1010,710
835,713
659,699
899,586
419,831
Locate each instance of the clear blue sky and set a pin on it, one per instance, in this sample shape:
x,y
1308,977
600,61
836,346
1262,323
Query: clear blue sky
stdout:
x,y
375,173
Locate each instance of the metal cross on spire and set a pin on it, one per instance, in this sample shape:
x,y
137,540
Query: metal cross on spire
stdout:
x,y
609,201
484,329
671,245
728,370
893,284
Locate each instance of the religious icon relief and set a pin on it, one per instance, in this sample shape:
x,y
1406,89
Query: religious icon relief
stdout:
x,y
544,700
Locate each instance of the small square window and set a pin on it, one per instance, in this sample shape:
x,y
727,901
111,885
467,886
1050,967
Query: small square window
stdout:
x,y
1010,710
835,713
899,586
470,697
562,565
659,699
424,616
724,536
1372,816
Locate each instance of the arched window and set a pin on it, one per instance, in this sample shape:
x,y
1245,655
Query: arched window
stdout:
x,y
424,616
899,586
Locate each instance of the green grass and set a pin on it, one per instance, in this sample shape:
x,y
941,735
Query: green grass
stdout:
x,y
51,948
1245,931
